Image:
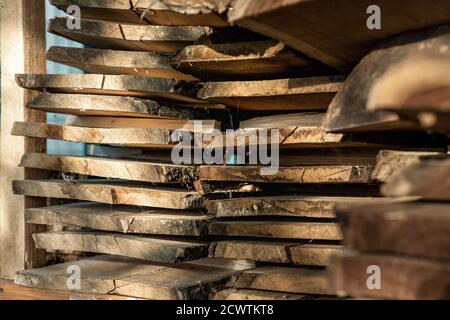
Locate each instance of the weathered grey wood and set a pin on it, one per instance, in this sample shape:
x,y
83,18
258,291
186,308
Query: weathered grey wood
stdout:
x,y
255,60
337,33
100,61
103,105
110,192
118,85
275,252
122,219
284,94
111,35
428,180
284,279
255,295
157,250
401,277
161,12
112,168
391,163
137,278
348,111
277,229
293,174
418,229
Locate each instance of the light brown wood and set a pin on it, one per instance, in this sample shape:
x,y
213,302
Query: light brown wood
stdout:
x,y
111,35
100,61
132,86
22,50
159,250
255,60
401,277
277,229
294,174
284,279
428,180
416,229
284,94
275,252
110,192
255,295
104,105
112,168
161,12
336,34
121,219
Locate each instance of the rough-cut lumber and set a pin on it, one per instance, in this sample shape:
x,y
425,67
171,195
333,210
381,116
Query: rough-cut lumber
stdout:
x,y
118,85
122,219
255,295
22,50
295,206
137,278
401,277
160,12
428,180
417,89
283,94
275,252
293,174
104,191
391,163
283,279
110,35
111,168
277,229
100,61
158,250
102,105
418,229
345,37
348,111
254,60
127,137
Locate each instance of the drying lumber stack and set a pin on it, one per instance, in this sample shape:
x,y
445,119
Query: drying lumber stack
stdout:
x,y
258,222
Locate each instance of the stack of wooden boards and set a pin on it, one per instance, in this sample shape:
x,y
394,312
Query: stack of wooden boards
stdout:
x,y
202,231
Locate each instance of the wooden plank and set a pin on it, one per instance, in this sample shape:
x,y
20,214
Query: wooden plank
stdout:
x,y
121,219
22,50
391,163
417,89
112,168
274,95
428,180
103,105
401,277
345,38
288,206
100,61
117,85
159,250
255,295
12,292
127,137
396,228
275,252
162,12
349,112
284,279
254,60
293,174
277,229
110,192
111,35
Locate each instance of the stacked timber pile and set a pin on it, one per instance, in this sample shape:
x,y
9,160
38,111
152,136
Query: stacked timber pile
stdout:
x,y
230,230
